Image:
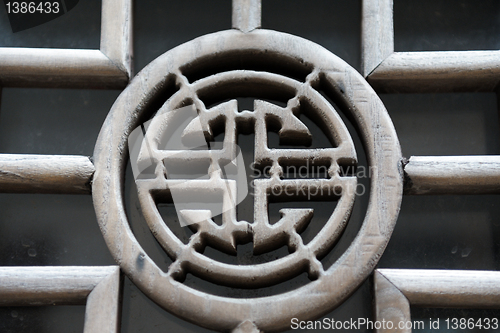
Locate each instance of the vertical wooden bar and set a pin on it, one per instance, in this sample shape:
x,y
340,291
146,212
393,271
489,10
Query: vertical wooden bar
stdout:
x,y
390,306
377,33
117,34
247,14
102,313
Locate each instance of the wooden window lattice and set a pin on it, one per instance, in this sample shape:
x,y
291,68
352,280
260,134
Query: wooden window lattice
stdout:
x,y
110,67
387,71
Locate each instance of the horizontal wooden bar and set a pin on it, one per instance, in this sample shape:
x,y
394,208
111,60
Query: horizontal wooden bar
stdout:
x,y
452,175
59,68
59,174
442,71
447,288
50,284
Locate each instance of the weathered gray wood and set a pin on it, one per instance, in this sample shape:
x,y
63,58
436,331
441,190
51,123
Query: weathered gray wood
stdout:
x,y
498,103
377,33
390,305
452,175
447,288
444,71
45,174
50,284
108,68
246,327
30,67
117,34
340,83
247,14
102,313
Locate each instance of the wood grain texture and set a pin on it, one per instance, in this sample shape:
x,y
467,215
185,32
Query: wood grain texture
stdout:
x,y
117,34
452,175
341,83
31,67
246,327
390,305
49,285
447,288
102,313
444,71
45,174
108,68
247,14
377,33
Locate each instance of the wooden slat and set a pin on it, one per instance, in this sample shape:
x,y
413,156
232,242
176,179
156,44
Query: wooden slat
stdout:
x,y
447,288
452,175
38,67
102,313
49,285
110,67
390,305
444,71
45,174
117,34
377,33
247,14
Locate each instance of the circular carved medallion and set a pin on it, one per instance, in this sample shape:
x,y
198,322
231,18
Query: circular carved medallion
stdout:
x,y
196,85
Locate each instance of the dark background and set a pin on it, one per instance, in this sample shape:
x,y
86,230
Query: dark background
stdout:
x,y
444,232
